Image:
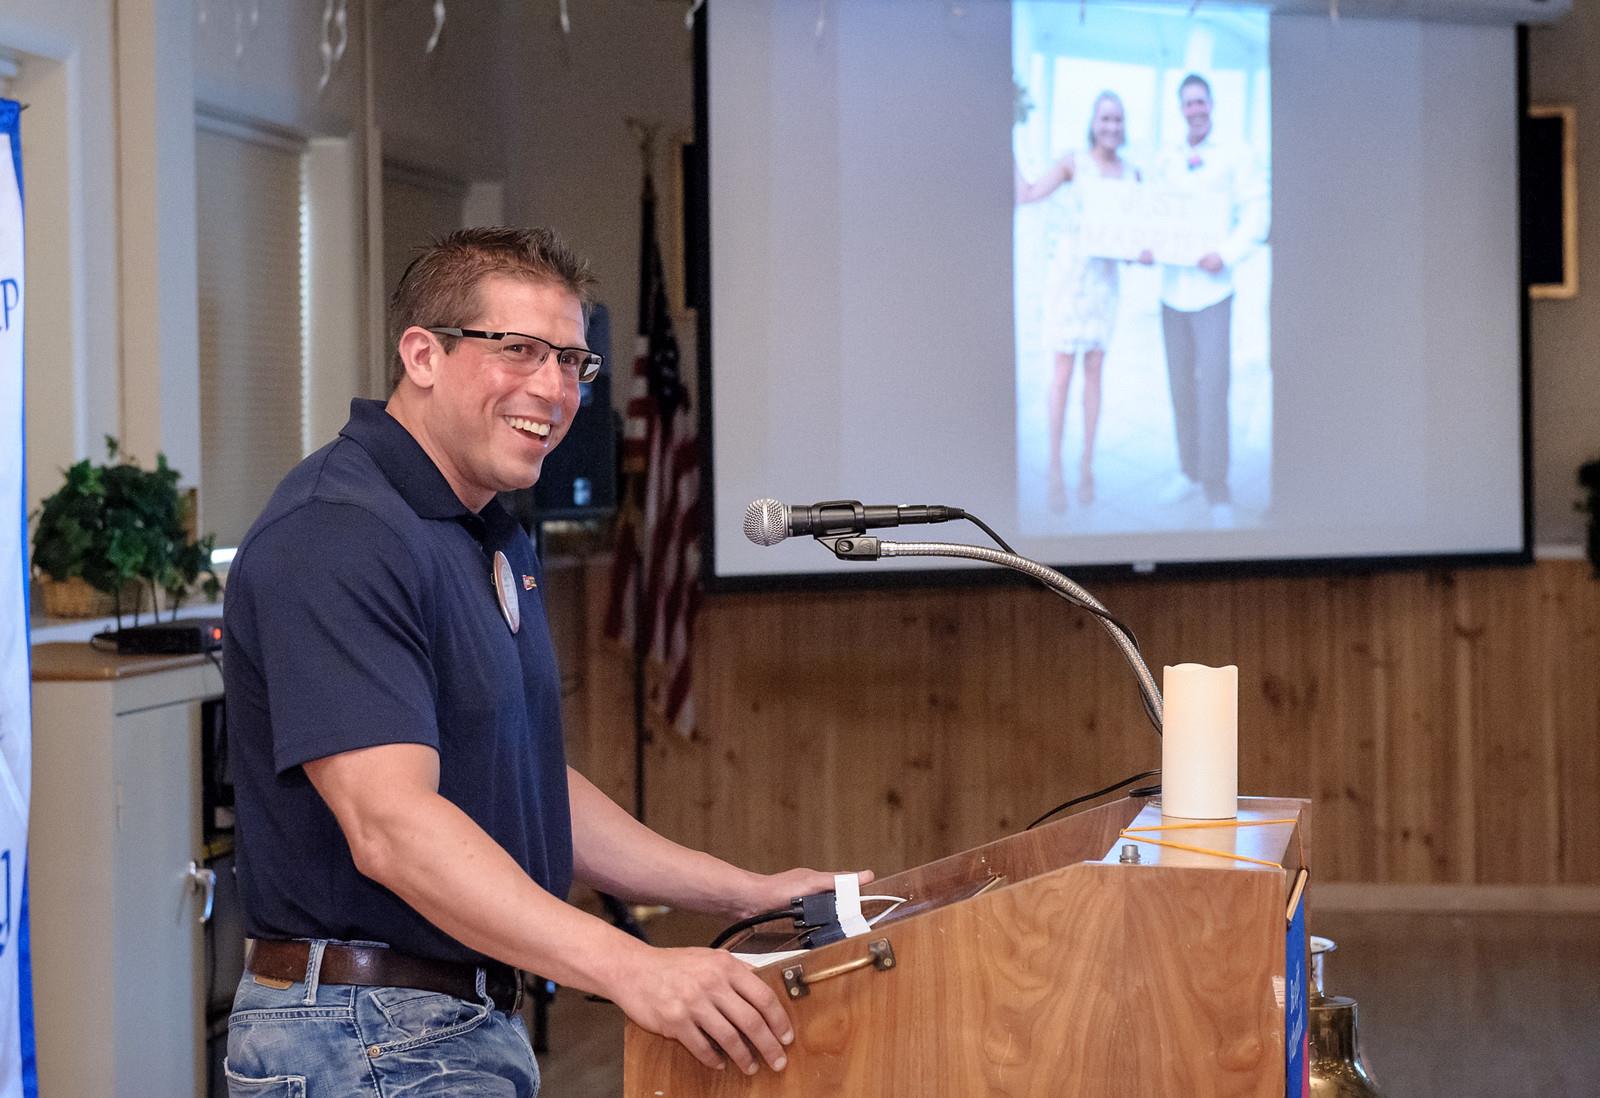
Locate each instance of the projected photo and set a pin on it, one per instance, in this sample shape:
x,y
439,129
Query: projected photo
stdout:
x,y
1142,148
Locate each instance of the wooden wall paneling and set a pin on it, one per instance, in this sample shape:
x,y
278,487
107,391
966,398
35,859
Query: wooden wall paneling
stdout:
x,y
1422,762
988,782
1569,703
1497,631
1342,771
735,787
1280,701
1079,722
909,694
599,715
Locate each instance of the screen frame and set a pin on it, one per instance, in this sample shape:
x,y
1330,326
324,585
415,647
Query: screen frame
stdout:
x,y
697,237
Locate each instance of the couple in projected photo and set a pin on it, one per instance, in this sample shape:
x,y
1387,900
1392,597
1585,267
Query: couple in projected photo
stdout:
x,y
1206,207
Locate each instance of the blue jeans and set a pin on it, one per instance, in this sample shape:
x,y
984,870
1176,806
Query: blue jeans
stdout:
x,y
310,1040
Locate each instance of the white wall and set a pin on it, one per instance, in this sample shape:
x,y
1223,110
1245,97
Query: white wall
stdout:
x,y
69,155
575,164
449,111
1564,68
270,71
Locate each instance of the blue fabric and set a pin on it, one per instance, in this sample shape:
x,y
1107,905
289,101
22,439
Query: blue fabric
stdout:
x,y
30,1051
360,611
363,1042
11,123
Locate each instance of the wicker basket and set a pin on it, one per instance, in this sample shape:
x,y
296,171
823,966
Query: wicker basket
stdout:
x,y
74,598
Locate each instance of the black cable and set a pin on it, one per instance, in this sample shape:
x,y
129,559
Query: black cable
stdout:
x,y
754,920
1091,796
984,526
1106,616
1095,610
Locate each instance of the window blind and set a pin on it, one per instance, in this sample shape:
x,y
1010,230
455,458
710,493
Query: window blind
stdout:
x,y
251,244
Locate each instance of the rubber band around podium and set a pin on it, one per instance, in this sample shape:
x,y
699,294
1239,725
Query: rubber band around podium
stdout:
x,y
1199,850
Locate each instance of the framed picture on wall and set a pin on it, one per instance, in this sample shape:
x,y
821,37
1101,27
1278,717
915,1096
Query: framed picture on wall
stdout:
x,y
1550,202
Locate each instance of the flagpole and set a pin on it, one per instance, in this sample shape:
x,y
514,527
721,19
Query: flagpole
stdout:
x,y
645,133
641,645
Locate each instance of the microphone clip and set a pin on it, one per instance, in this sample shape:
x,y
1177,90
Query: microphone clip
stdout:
x,y
851,546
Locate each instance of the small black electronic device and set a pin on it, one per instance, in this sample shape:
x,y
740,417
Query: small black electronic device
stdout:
x,y
191,636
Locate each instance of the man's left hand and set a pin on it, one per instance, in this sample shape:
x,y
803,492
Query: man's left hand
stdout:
x,y
1211,263
771,891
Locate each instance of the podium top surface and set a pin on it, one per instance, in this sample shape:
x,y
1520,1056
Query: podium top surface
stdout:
x,y
1249,843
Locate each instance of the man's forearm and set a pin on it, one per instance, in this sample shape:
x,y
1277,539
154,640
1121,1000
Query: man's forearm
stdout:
x,y
440,862
618,855
435,858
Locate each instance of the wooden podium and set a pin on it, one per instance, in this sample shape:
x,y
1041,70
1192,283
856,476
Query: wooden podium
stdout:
x,y
1042,964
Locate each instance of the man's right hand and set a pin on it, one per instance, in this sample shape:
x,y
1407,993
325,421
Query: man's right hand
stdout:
x,y
694,994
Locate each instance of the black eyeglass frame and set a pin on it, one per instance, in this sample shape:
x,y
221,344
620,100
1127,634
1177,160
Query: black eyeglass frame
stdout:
x,y
591,361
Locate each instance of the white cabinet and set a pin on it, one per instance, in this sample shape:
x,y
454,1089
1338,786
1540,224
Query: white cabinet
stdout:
x,y
118,951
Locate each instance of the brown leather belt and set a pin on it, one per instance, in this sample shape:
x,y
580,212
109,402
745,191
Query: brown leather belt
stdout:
x,y
375,966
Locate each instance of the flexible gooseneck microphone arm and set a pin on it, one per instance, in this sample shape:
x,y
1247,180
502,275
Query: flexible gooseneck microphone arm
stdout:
x,y
870,548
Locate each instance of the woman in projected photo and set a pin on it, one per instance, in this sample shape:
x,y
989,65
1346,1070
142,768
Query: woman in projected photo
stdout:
x,y
1081,292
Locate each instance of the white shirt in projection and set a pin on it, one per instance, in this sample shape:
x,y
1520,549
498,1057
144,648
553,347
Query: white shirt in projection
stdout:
x,y
1231,170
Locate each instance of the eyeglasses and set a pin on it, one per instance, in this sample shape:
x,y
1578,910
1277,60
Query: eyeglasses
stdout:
x,y
527,353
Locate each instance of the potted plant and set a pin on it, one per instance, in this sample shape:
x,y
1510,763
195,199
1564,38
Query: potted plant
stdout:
x,y
121,530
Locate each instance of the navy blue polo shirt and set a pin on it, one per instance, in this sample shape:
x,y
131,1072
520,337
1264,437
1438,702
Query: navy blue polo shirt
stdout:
x,y
361,611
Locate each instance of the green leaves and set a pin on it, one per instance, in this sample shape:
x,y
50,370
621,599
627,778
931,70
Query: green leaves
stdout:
x,y
116,523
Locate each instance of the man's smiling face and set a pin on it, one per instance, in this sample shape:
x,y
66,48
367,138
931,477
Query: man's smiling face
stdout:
x,y
1196,104
490,423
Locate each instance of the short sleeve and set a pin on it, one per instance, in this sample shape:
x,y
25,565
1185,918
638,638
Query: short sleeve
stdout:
x,y
339,634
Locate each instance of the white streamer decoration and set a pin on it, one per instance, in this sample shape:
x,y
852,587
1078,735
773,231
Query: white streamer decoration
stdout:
x,y
566,19
335,38
438,27
689,16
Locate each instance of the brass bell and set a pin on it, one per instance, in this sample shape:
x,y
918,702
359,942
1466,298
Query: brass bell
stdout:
x,y
1337,1070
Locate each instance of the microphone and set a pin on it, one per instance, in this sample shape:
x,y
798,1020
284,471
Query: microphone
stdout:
x,y
767,522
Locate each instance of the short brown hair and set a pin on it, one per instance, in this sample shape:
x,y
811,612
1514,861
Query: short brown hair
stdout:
x,y
440,287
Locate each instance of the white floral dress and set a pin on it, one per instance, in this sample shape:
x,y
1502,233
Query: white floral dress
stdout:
x,y
1080,291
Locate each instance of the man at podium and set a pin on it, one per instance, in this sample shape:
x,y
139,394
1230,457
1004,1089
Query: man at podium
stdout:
x,y
407,825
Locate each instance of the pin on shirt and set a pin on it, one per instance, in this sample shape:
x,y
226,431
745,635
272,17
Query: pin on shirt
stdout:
x,y
505,590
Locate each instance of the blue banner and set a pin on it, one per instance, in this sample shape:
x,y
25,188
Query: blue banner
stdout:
x,y
16,731
1296,1006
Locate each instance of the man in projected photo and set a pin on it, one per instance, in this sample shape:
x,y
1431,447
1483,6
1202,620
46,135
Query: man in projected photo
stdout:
x,y
1197,299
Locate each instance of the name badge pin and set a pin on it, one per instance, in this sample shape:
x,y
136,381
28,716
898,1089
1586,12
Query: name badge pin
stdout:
x,y
505,591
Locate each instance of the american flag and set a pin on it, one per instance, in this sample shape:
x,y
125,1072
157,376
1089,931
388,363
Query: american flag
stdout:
x,y
655,579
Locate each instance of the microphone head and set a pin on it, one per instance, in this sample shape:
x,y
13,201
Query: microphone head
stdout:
x,y
766,521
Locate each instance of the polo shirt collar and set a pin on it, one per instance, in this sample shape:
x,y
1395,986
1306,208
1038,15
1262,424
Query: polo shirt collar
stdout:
x,y
403,460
